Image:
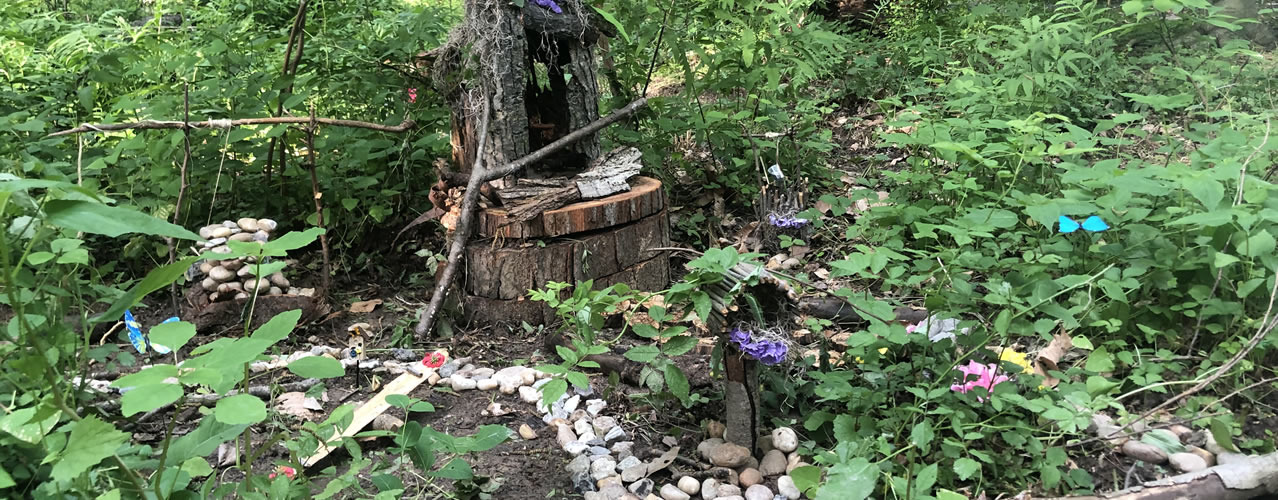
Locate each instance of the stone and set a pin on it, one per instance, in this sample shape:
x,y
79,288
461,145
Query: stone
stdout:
x,y
623,449
564,435
603,425
578,415
581,481
672,492
641,487
1181,432
486,384
462,383
590,437
613,480
598,450
784,439
494,410
482,373
1213,446
628,462
705,447
209,284
725,475
206,232
615,433
527,432
750,477
581,427
602,468
733,497
1187,462
729,490
220,273
773,464
241,237
729,455
633,472
787,488
1228,458
689,485
571,405
593,495
652,497
714,429
1207,456
221,232
450,367
794,465
267,225
576,447
710,488
433,378
527,394
758,492
277,278
1144,452
750,463
528,376
261,236
594,406
614,492
764,444
247,224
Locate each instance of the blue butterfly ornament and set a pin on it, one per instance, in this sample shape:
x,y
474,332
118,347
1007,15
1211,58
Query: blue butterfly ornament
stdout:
x,y
1093,224
142,342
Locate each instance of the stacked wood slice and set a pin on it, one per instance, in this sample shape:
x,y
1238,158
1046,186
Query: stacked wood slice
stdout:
x,y
609,240
230,279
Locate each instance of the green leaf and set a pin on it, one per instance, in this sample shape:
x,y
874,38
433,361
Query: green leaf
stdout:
x,y
203,440
148,397
614,22
677,383
1223,259
966,468
924,481
267,269
278,327
678,345
807,478
1209,192
1220,433
387,483
156,279
37,258
642,353
291,241
197,467
553,390
27,426
577,379
317,367
921,436
91,441
1097,385
1164,439
853,480
944,494
1081,342
96,218
6,481
456,469
172,335
1261,243
486,438
150,375
1099,361
240,409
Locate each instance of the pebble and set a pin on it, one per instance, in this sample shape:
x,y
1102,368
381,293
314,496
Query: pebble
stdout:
x,y
494,410
612,480
689,485
614,492
578,415
603,425
1144,452
715,429
248,224
705,447
590,437
241,237
433,378
486,384
773,463
598,450
528,394
221,273
527,432
785,439
221,232
672,492
581,481
206,232
794,465
750,477
582,427
571,405
1187,462
641,487
758,492
564,435
450,367
1181,432
729,490
594,406
481,373
267,225
462,383
725,475
579,465
729,455
1207,456
623,449
750,463
732,497
633,472
615,433
764,444
710,488
593,495
576,447
786,487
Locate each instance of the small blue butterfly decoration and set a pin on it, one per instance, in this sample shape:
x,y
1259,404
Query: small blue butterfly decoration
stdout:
x,y
1093,224
142,342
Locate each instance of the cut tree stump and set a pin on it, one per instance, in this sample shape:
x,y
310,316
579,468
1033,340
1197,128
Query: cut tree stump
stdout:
x,y
607,240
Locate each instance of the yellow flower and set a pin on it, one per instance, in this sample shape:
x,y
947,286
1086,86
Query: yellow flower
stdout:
x,y
882,350
1017,358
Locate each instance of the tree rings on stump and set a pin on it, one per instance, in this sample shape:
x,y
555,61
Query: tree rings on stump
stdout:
x,y
608,240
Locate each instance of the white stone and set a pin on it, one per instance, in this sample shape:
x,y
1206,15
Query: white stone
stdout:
x,y
581,427
510,378
528,394
462,383
564,435
571,405
632,469
576,447
594,406
1187,462
672,492
785,439
710,488
486,384
786,486
689,485
603,467
758,492
247,224
615,433
604,424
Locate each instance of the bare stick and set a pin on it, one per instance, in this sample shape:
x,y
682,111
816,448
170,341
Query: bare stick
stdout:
x,y
177,209
224,124
461,233
319,207
565,141
298,19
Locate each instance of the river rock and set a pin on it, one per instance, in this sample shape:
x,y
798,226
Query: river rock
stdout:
x,y
641,487
267,225
613,480
527,432
689,485
764,444
758,492
603,467
773,463
729,490
277,278
206,232
715,429
528,394
248,224
604,424
786,487
486,384
784,439
729,455
594,406
564,435
221,232
1144,452
1207,456
710,488
672,492
241,237
706,446
462,383
1187,462
750,477
221,274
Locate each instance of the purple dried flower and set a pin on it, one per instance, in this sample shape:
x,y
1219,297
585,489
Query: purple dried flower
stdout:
x,y
786,221
765,351
740,337
549,4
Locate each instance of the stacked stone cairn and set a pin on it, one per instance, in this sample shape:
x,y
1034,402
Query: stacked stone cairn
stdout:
x,y
232,279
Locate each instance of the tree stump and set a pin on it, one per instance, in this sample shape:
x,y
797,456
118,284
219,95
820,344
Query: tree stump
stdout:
x,y
608,240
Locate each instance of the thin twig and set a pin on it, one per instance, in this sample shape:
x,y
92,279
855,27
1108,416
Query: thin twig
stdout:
x,y
565,141
404,126
319,207
293,34
177,209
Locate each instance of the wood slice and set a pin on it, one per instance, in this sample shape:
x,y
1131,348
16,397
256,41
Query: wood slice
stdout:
x,y
645,198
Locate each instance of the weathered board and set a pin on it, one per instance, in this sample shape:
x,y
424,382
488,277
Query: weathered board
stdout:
x,y
364,415
644,199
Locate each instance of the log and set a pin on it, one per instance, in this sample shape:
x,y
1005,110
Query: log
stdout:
x,y
1248,478
839,311
645,198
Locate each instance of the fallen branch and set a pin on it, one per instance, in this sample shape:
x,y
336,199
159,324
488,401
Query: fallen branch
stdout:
x,y
478,176
407,124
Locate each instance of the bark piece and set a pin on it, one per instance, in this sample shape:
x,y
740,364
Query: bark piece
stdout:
x,y
644,198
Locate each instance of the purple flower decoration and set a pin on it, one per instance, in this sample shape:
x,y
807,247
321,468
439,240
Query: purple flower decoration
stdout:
x,y
550,5
786,221
765,351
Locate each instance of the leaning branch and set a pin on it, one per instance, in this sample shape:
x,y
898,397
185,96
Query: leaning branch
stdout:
x,y
564,141
225,124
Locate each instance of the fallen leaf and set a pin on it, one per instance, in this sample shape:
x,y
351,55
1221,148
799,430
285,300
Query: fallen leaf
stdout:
x,y
798,251
226,453
295,404
386,422
822,206
1049,356
663,461
365,306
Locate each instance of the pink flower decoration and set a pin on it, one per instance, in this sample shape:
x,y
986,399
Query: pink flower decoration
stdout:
x,y
289,472
911,327
979,375
412,95
434,360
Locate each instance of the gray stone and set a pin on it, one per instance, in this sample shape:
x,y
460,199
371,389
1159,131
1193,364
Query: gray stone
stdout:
x,y
729,490
705,447
729,455
642,487
462,384
602,468
773,463
785,439
623,449
672,492
1228,458
787,488
634,472
576,447
598,450
579,464
1144,452
581,481
604,424
1187,462
615,433
482,373
614,492
593,495
758,492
